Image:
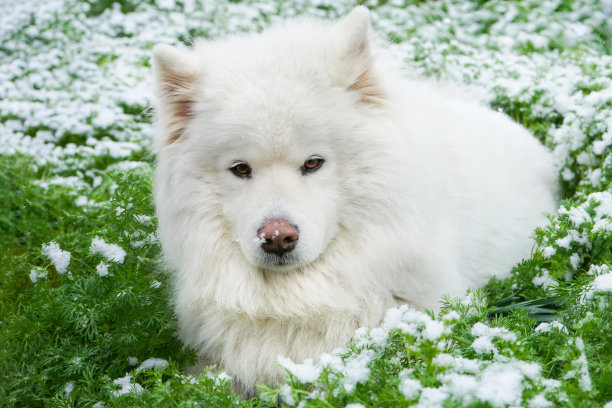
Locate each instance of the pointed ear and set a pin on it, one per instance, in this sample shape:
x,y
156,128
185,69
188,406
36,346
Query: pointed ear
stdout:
x,y
176,84
356,57
354,31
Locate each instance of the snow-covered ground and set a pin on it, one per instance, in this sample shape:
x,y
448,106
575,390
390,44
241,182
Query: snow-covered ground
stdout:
x,y
73,87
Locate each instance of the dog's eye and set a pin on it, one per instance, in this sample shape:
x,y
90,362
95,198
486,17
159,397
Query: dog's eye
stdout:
x,y
313,164
241,169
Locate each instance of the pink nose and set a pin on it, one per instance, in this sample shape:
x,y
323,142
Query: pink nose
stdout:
x,y
278,236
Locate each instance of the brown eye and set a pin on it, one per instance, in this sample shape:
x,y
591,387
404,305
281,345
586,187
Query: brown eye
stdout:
x,y
241,170
313,164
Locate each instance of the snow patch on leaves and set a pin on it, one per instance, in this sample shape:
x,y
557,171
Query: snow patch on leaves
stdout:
x,y
126,385
111,252
59,258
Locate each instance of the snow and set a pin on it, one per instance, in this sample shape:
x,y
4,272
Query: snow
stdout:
x,y
82,95
458,363
104,118
433,330
603,211
356,369
602,282
544,280
545,327
603,225
602,221
68,388
221,377
481,329
594,176
410,388
573,236
59,258
408,320
539,401
38,273
285,394
575,261
332,360
111,252
377,337
501,384
581,368
461,386
413,322
152,363
606,140
305,373
483,345
126,165
596,270
451,316
126,386
102,269
431,398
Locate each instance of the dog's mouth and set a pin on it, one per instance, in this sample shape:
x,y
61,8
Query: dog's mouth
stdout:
x,y
280,263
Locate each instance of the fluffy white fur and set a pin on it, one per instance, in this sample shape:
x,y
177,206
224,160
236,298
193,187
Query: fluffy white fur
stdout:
x,y
420,195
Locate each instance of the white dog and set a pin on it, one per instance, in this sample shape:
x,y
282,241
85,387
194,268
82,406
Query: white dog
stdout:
x,y
303,187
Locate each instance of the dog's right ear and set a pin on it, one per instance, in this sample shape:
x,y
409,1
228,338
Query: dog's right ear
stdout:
x,y
176,85
355,56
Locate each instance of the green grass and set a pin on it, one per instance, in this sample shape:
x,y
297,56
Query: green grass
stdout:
x,y
74,165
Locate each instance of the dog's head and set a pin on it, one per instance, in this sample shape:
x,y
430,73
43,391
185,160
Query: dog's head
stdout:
x,y
265,128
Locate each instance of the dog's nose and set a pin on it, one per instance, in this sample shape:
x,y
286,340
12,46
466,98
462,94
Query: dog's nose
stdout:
x,y
278,236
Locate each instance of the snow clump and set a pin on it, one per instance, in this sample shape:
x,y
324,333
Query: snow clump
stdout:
x,y
581,368
545,327
305,373
38,273
544,280
602,282
68,388
102,269
285,393
500,383
409,387
126,386
484,334
152,363
112,252
356,369
59,258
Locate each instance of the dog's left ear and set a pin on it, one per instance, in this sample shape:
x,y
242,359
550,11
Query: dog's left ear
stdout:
x,y
356,72
177,76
